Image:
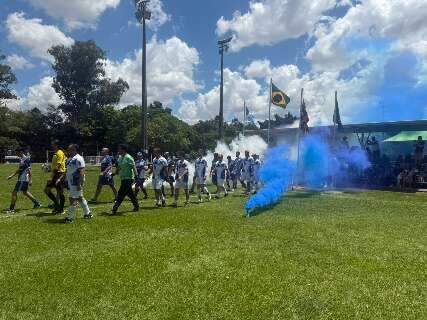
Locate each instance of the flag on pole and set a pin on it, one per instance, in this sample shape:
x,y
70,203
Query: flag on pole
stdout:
x,y
249,117
278,97
337,117
304,119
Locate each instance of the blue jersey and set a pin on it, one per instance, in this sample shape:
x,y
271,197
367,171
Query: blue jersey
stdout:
x,y
140,168
248,166
182,170
200,167
238,166
221,169
24,168
106,162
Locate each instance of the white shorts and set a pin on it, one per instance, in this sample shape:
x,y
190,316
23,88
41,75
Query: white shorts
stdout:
x,y
157,183
73,193
181,185
200,181
220,182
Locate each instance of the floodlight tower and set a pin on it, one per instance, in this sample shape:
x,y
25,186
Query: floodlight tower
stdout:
x,y
223,46
142,14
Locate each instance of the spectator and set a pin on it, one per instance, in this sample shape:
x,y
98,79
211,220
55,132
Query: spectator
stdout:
x,y
419,151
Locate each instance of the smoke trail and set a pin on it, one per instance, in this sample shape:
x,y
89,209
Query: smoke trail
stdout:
x,y
276,176
314,159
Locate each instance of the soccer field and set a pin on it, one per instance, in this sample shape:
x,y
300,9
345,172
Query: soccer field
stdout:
x,y
349,255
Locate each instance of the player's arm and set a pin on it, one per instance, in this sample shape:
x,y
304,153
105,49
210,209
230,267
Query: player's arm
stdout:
x,y
135,172
13,175
30,176
108,169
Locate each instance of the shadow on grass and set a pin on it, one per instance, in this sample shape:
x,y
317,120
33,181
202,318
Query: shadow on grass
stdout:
x,y
55,221
39,214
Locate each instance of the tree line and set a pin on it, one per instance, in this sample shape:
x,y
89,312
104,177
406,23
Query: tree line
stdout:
x,y
88,114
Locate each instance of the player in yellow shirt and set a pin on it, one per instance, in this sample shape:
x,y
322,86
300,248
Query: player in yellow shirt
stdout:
x,y
56,180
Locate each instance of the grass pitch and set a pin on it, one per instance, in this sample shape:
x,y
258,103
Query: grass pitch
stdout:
x,y
351,255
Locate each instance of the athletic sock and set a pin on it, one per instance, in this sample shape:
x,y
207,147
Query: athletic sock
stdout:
x,y
85,207
70,212
12,206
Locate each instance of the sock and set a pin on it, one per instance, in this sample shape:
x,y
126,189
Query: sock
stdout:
x,y
12,206
85,207
70,212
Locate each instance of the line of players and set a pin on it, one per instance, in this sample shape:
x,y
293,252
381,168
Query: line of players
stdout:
x,y
70,173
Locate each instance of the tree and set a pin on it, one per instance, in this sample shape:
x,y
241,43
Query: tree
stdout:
x,y
7,78
80,81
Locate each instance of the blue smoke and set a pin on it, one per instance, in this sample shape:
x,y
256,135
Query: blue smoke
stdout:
x,y
276,175
318,163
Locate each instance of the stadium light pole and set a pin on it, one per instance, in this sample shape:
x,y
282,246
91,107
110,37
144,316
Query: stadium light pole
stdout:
x,y
223,46
142,14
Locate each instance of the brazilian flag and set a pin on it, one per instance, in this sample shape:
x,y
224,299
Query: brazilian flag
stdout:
x,y
278,97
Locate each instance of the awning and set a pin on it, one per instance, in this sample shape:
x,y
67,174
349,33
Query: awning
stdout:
x,y
407,136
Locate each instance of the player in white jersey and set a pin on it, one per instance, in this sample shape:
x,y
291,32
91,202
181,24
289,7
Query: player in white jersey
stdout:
x,y
200,175
257,166
160,173
248,172
237,171
181,178
221,173
75,179
24,181
141,165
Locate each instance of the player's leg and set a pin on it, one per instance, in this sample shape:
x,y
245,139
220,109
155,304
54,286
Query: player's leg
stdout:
x,y
50,195
187,196
71,210
131,195
176,195
97,192
205,190
35,202
60,191
121,194
13,198
86,211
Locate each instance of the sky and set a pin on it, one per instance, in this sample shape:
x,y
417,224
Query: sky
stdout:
x,y
373,52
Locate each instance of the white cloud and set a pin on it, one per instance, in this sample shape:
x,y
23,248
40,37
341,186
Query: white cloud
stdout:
x,y
158,16
402,22
271,21
76,13
18,62
31,34
170,71
40,96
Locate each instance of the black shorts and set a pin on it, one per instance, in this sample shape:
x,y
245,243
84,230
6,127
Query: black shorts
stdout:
x,y
52,183
139,182
106,181
21,186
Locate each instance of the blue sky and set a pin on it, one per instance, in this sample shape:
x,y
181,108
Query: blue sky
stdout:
x,y
374,59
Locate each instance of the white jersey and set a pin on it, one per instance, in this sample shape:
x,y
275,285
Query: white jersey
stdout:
x,y
182,167
74,165
201,166
220,169
159,165
248,166
140,168
257,166
24,169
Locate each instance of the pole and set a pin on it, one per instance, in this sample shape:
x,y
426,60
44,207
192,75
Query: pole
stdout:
x,y
221,99
144,120
299,138
269,114
244,116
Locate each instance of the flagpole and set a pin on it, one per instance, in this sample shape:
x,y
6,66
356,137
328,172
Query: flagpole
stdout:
x,y
244,116
299,136
269,114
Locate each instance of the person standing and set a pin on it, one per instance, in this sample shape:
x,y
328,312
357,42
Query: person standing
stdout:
x,y
221,172
141,167
24,181
56,180
228,178
213,169
181,179
170,179
238,166
127,171
160,173
419,151
256,167
200,171
247,172
106,175
76,179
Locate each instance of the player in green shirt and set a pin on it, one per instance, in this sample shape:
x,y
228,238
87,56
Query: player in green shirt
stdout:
x,y
127,171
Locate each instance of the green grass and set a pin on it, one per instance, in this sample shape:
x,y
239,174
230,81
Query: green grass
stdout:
x,y
354,255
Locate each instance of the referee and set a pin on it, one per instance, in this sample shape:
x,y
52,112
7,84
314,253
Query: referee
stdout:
x,y
57,178
126,169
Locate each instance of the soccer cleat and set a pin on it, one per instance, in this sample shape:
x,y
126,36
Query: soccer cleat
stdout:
x,y
225,195
37,205
9,211
163,203
68,220
88,216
